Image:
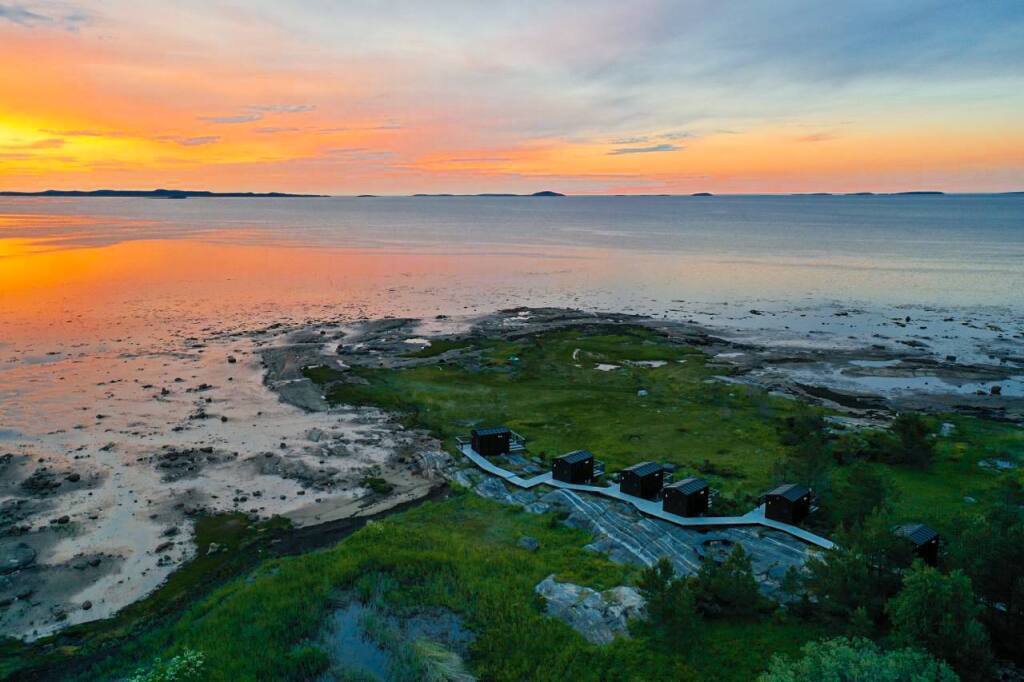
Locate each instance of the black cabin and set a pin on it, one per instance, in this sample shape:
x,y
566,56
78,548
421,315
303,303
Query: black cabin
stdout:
x,y
789,503
574,467
496,440
688,497
642,480
924,539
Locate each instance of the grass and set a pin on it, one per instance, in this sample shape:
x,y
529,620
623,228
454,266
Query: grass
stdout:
x,y
459,554
937,495
547,387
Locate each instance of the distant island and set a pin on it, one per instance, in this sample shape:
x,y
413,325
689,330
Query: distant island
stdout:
x,y
544,193
702,194
156,194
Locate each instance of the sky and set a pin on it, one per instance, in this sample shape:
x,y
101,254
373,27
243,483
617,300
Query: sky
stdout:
x,y
464,96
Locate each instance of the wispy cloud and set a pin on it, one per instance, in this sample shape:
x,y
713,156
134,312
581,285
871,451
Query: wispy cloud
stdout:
x,y
84,133
281,108
23,16
196,141
817,137
645,150
240,118
49,143
270,130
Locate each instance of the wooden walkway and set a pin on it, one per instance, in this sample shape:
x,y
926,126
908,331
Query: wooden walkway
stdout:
x,y
648,507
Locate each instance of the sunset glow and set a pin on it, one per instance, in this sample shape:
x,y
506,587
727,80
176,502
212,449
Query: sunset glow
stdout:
x,y
649,97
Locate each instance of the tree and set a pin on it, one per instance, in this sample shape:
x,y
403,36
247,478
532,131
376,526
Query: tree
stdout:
x,y
863,570
940,613
671,613
857,492
808,460
857,660
990,550
728,588
912,443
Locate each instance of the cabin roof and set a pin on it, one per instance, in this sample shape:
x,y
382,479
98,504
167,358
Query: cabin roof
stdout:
x,y
576,456
644,468
689,486
789,491
490,430
918,533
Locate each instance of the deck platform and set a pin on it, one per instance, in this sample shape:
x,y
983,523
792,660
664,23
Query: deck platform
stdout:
x,y
650,508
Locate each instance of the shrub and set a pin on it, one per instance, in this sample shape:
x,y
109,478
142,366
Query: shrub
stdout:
x,y
940,613
857,660
729,588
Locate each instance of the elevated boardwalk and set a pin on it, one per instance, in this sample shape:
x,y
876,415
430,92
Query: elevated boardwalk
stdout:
x,y
648,507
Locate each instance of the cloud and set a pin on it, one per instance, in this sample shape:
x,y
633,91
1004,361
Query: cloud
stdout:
x,y
645,150
49,143
269,130
240,118
22,16
817,137
84,133
640,139
282,108
195,141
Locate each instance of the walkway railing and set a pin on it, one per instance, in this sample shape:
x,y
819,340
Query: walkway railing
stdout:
x,y
755,517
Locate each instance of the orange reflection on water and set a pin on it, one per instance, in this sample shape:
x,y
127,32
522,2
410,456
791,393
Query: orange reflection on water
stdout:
x,y
131,285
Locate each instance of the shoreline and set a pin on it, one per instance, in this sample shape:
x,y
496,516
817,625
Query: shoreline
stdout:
x,y
314,472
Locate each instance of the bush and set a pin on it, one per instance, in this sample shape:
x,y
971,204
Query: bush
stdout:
x,y
940,613
857,492
729,588
188,665
857,660
862,571
671,613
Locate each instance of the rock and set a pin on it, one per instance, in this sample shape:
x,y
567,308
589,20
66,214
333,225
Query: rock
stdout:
x,y
163,547
528,543
86,605
642,393
946,429
170,532
599,616
231,359
996,390
213,548
41,482
74,477
16,557
61,520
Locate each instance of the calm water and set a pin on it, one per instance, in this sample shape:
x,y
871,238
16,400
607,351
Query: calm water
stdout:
x,y
100,270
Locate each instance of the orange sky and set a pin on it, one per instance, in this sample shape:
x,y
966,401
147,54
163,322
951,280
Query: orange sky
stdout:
x,y
515,98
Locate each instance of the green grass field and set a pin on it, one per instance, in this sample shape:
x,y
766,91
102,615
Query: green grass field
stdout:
x,y
460,554
548,388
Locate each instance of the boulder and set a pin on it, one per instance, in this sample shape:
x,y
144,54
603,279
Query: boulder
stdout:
x,y
15,557
528,543
599,616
